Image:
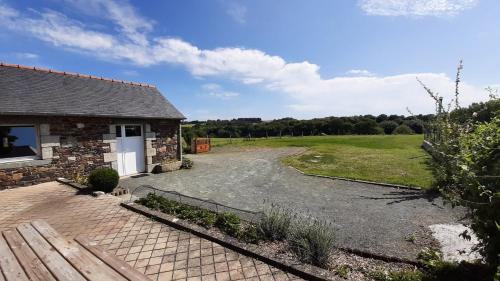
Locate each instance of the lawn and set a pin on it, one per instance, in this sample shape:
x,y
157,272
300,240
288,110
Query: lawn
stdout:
x,y
394,159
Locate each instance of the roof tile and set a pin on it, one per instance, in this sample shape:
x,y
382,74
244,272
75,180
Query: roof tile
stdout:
x,y
34,91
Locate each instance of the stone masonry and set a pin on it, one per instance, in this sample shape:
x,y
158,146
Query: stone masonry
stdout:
x,y
78,145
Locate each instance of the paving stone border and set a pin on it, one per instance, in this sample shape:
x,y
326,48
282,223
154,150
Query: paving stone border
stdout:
x,y
71,183
117,192
308,272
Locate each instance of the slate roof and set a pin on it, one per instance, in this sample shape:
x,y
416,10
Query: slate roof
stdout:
x,y
35,91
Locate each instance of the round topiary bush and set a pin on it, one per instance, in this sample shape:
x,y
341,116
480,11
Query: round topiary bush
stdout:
x,y
104,179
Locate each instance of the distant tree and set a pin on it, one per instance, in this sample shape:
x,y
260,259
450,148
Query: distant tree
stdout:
x,y
367,127
416,125
381,118
396,118
388,126
403,130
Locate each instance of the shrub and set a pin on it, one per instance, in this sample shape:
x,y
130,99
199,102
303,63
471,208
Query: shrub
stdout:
x,y
104,179
438,269
469,163
186,163
229,223
206,218
403,130
250,234
312,242
275,223
388,126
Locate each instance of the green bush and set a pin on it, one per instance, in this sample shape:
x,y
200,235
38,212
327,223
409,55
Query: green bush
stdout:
x,y
194,214
403,130
104,179
206,218
388,126
312,242
467,169
229,223
275,223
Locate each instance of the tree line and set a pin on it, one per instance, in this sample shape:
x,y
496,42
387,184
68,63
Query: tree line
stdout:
x,y
257,128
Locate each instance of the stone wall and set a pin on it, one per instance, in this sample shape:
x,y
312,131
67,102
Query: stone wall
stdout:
x,y
71,145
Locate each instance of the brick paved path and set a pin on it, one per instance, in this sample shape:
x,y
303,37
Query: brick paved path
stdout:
x,y
160,251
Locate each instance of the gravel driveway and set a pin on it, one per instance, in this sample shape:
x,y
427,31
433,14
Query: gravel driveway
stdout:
x,y
373,218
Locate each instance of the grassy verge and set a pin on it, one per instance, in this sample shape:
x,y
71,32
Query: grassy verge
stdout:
x,y
394,159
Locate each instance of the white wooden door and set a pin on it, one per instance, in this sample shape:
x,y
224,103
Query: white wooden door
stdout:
x,y
129,149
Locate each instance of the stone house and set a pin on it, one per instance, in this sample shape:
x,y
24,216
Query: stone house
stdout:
x,y
59,124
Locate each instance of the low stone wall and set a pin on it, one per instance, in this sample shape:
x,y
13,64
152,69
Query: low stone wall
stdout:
x,y
71,145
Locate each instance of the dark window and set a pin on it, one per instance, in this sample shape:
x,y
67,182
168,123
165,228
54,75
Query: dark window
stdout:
x,y
17,141
118,131
133,131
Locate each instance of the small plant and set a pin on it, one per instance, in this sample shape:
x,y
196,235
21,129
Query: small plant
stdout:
x,y
405,275
429,257
250,234
206,218
275,223
104,179
80,179
411,238
438,269
186,163
343,271
229,223
312,242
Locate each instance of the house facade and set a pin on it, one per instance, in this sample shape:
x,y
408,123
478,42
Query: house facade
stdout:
x,y
58,124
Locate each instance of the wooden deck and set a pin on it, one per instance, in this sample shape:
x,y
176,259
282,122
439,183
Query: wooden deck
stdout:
x,y
35,251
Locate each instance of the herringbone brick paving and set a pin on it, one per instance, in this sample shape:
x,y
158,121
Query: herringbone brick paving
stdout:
x,y
160,251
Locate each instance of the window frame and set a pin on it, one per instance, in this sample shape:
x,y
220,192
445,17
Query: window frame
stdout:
x,y
38,145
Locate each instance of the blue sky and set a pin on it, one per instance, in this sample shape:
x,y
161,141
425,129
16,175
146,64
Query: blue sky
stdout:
x,y
269,59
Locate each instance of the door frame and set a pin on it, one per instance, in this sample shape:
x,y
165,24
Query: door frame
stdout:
x,y
143,141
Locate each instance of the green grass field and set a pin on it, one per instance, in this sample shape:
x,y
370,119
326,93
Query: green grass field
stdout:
x,y
388,159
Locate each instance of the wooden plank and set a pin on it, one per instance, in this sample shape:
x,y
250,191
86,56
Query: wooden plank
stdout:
x,y
88,265
117,264
9,266
32,265
54,262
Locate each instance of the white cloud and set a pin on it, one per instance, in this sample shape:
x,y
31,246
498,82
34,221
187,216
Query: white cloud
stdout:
x,y
237,12
309,94
130,72
359,72
30,56
130,23
216,91
415,7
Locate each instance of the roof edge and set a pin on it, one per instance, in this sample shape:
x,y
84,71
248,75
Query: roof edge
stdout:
x,y
48,114
3,64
